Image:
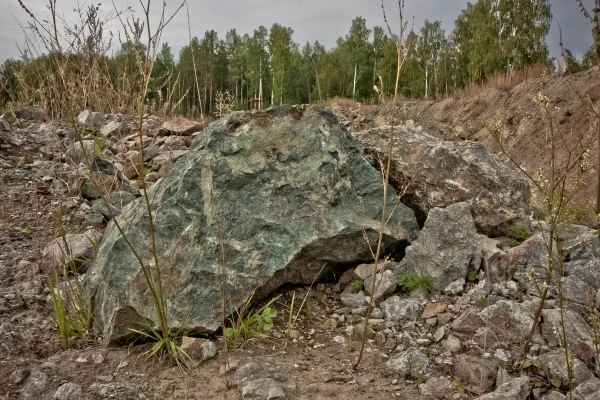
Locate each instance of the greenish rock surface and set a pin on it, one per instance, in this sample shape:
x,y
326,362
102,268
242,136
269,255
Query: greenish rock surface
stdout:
x,y
286,192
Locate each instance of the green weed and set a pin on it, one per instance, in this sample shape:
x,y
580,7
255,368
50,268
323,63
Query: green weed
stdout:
x,y
166,345
481,301
358,286
410,283
519,234
460,388
473,277
251,325
73,314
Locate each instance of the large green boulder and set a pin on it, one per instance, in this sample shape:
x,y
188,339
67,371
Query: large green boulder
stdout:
x,y
268,197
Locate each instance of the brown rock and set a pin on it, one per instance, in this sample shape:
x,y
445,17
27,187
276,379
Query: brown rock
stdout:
x,y
180,126
476,373
152,177
436,173
175,143
433,309
76,248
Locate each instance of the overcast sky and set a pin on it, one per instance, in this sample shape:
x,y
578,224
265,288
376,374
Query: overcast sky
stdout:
x,y
322,20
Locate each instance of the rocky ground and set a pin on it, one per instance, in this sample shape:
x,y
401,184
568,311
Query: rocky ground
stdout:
x,y
459,118
454,345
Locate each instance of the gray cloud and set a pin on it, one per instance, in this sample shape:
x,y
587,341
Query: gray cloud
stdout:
x,y
311,20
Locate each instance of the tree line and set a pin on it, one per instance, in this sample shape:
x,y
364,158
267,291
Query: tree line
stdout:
x,y
489,37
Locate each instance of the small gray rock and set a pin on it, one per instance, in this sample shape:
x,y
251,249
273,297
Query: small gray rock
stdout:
x,y
35,386
31,114
452,344
90,118
385,284
409,362
437,388
555,396
68,391
4,126
353,300
517,389
589,390
198,349
109,129
446,247
396,308
246,371
264,388
478,373
555,360
73,248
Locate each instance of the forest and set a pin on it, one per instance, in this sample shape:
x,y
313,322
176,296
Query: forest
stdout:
x,y
489,38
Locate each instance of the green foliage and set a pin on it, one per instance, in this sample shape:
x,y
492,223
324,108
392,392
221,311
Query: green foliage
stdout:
x,y
253,324
9,82
493,36
73,314
99,144
488,37
535,365
409,283
472,276
165,345
357,286
351,318
481,301
519,234
460,388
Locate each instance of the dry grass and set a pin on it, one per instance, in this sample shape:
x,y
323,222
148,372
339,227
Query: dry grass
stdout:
x,y
341,101
501,81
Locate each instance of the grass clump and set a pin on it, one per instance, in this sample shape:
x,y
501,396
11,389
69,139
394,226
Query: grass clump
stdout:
x,y
164,344
410,283
519,234
72,312
251,324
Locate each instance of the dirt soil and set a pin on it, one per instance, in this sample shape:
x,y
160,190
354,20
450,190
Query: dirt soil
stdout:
x,y
313,364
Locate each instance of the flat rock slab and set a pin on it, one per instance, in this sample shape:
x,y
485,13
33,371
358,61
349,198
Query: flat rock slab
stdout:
x,y
437,173
288,194
180,126
433,309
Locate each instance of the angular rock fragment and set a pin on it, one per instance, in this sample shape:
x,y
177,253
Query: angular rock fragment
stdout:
x,y
437,173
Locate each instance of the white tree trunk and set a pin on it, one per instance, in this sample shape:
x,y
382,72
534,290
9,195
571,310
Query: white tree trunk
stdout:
x,y
354,83
426,84
260,85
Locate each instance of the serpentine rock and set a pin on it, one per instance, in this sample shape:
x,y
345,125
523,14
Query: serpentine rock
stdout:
x,y
261,199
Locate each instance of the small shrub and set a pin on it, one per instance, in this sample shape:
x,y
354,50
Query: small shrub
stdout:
x,y
72,312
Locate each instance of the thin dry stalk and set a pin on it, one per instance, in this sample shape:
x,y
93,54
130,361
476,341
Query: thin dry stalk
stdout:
x,y
402,49
67,92
557,195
